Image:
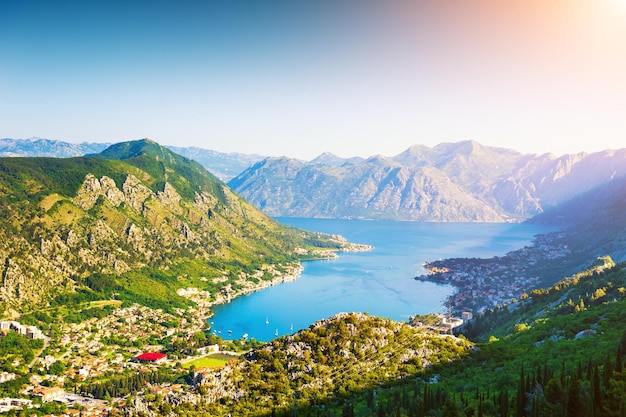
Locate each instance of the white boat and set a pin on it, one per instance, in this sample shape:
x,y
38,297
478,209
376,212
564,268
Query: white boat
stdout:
x,y
276,332
267,320
245,336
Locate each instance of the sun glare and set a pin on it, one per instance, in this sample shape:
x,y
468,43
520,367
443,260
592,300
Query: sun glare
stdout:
x,y
619,4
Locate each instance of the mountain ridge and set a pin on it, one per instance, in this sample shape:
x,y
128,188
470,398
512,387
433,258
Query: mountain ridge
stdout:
x,y
223,165
463,181
135,215
450,182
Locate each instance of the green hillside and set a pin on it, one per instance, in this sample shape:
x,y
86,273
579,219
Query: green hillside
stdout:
x,y
125,251
557,352
136,222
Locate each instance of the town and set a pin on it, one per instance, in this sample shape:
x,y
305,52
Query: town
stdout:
x,y
487,283
129,339
132,339
101,341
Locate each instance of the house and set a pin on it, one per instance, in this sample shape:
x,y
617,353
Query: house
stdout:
x,y
33,332
451,322
152,357
466,316
208,349
7,376
30,331
46,394
18,328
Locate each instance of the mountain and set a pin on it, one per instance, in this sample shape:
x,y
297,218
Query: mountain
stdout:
x,y
594,221
223,165
47,147
461,182
134,217
328,158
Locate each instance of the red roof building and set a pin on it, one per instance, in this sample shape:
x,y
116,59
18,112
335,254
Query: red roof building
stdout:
x,y
153,357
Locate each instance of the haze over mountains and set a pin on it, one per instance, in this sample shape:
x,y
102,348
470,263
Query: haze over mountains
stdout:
x,y
458,182
223,165
451,182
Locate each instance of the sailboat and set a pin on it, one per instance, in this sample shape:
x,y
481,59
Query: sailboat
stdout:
x,y
291,327
276,332
267,321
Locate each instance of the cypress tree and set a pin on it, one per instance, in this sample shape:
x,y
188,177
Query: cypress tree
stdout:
x,y
520,402
575,406
504,403
607,372
579,373
595,390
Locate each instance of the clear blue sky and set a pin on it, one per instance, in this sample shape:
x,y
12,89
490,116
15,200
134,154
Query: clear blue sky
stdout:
x,y
300,77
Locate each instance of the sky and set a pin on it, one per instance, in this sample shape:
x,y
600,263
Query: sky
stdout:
x,y
302,77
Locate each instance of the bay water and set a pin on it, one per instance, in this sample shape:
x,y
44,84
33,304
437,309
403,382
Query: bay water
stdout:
x,y
380,282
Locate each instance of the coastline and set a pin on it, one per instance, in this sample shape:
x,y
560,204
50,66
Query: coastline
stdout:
x,y
486,283
293,272
204,310
227,294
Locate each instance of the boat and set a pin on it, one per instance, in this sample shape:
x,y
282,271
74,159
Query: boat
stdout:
x,y
229,331
291,327
267,321
245,336
276,332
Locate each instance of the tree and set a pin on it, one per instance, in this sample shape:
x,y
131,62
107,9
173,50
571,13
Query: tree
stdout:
x,y
57,368
450,409
575,405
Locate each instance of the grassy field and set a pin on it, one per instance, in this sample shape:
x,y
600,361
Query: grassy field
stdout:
x,y
103,303
215,360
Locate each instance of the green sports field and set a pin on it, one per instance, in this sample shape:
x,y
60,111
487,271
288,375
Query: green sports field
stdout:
x,y
214,360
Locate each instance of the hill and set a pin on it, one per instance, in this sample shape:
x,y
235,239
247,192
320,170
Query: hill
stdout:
x,y
225,166
595,221
136,220
328,363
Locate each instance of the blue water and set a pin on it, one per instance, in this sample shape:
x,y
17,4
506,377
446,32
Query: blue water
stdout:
x,y
379,282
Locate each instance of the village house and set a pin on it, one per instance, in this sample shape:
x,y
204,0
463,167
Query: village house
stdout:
x,y
466,316
208,349
29,331
47,394
8,404
7,376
